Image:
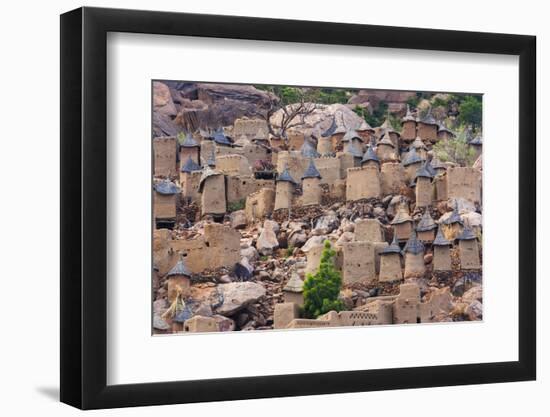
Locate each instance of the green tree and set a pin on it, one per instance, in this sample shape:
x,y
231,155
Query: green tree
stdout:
x,y
321,290
470,110
455,150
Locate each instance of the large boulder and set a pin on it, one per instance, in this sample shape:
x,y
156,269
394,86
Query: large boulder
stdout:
x,y
237,295
267,241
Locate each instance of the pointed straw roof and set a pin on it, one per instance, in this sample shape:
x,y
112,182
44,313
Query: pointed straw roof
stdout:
x,y
190,142
308,150
408,117
220,138
370,155
477,141
423,171
401,216
386,140
467,234
166,187
426,222
441,127
393,247
453,218
350,135
190,166
418,143
440,239
179,269
412,157
428,119
437,164
413,245
311,171
294,284
285,176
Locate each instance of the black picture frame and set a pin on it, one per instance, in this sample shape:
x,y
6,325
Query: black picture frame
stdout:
x,y
84,207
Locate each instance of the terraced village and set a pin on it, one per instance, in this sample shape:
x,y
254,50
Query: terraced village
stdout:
x,y
299,207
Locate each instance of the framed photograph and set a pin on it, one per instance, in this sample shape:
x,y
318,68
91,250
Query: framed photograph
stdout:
x,y
258,208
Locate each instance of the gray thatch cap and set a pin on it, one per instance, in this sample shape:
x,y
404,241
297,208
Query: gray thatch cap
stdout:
x,y
166,187
370,155
401,216
350,135
285,177
430,168
477,141
393,247
426,222
440,239
467,234
386,140
418,143
423,171
408,117
413,245
207,173
412,157
179,269
331,129
308,150
190,142
294,284
428,119
453,218
190,166
436,163
220,138
311,171
442,128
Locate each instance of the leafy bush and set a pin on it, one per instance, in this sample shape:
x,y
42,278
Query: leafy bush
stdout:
x,y
470,110
236,205
321,290
378,115
455,150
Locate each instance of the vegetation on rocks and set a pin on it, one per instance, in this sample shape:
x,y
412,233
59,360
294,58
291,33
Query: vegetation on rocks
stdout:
x,y
321,290
456,150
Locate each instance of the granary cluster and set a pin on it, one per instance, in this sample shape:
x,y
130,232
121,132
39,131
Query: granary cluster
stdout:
x,y
231,204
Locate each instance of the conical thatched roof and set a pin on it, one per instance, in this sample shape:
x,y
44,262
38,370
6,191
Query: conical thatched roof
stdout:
x,y
294,284
285,177
311,171
412,157
408,117
166,187
179,269
190,166
370,155
190,142
426,222
393,247
467,234
413,245
401,216
440,239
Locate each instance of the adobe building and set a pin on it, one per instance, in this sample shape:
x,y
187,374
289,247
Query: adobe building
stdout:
x,y
468,250
386,149
324,146
427,127
392,178
211,159
387,128
358,262
438,166
440,187
284,190
284,313
444,133
442,252
213,196
293,290
390,262
362,183
464,182
259,204
249,128
370,158
426,227
420,148
414,257
423,187
201,324
402,224
412,162
311,189
190,175
476,144
165,156
407,305
352,138
356,153
368,230
190,148
452,226
164,204
233,164
408,126
179,280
